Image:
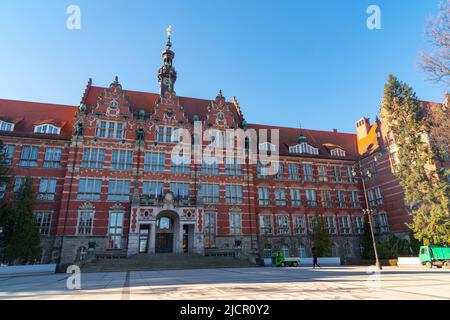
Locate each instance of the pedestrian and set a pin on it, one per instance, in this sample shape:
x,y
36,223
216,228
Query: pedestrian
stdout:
x,y
314,254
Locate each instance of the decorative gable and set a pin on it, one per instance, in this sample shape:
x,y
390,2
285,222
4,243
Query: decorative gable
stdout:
x,y
113,101
219,114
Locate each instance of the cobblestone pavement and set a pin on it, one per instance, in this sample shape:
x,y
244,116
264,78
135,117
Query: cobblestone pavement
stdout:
x,y
238,283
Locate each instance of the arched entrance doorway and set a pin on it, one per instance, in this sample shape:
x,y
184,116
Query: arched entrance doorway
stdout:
x,y
166,226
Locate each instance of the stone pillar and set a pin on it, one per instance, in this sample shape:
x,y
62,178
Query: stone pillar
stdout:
x,y
179,247
152,238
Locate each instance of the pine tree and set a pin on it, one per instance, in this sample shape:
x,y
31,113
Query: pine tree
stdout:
x,y
425,190
321,239
22,239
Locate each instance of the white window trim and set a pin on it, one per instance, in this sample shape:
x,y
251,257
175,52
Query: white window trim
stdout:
x,y
5,123
338,152
48,126
78,222
304,148
267,146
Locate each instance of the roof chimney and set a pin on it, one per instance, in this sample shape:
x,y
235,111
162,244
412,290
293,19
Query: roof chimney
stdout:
x,y
362,128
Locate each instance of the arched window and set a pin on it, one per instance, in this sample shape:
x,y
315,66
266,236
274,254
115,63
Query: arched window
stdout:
x,y
47,129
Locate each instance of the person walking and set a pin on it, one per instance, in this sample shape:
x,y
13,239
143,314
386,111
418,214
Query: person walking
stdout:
x,y
314,254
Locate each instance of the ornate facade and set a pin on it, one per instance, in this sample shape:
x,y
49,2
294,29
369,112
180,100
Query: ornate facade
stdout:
x,y
106,183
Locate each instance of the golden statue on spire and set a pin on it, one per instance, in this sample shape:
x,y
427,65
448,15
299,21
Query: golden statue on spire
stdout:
x,y
169,31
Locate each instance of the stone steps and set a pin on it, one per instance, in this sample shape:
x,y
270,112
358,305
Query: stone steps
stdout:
x,y
164,262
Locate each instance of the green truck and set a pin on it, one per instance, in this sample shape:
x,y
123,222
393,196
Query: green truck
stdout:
x,y
435,256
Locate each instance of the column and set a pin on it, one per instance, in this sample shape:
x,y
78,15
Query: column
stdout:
x,y
180,239
152,238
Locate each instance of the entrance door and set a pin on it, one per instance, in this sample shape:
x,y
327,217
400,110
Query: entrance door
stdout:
x,y
143,238
164,243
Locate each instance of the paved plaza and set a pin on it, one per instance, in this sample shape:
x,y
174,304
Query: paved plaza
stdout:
x,y
238,283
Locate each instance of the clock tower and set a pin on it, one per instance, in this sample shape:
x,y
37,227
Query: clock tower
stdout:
x,y
167,74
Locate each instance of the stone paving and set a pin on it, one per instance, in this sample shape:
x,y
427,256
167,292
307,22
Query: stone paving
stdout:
x,y
238,283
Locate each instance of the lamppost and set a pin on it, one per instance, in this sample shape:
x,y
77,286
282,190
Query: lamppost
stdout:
x,y
368,211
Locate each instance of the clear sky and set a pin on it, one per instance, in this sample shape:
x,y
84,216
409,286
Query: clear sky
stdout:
x,y
287,62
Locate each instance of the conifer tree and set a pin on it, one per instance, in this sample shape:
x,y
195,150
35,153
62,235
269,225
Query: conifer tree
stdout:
x,y
22,239
426,190
321,239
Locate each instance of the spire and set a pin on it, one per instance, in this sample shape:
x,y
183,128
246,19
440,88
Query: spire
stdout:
x,y
167,76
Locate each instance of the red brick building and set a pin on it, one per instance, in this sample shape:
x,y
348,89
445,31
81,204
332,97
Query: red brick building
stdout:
x,y
105,181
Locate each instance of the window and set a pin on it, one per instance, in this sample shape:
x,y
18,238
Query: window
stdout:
x,y
180,190
43,221
326,199
304,148
293,171
122,160
358,223
344,224
235,223
118,190
110,130
3,186
312,222
263,196
8,151
82,253
283,225
311,200
267,146
337,152
152,189
296,199
337,174
89,189
302,252
6,126
47,188
384,223
354,199
378,196
18,183
340,198
115,230
350,176
262,170
182,165
210,165
308,172
233,194
47,129
168,134
330,224
323,175
265,224
371,198
85,222
299,225
52,157
154,161
280,173
268,252
210,226
93,158
28,157
209,194
280,197
233,167
285,251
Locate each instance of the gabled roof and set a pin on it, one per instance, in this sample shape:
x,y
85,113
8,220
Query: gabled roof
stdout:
x,y
315,138
28,114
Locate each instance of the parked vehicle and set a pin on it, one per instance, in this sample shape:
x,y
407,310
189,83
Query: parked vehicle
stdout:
x,y
435,256
281,261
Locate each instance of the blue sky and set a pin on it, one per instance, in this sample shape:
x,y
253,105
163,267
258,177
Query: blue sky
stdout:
x,y
287,62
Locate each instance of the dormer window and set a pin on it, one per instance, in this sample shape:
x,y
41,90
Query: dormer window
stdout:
x,y
337,152
6,126
47,129
304,148
267,146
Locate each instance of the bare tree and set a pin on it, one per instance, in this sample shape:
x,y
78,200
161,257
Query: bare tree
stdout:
x,y
436,62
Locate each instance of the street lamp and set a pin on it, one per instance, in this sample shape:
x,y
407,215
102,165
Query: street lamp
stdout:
x,y
368,211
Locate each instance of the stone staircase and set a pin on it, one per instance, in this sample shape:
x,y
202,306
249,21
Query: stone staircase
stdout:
x,y
164,262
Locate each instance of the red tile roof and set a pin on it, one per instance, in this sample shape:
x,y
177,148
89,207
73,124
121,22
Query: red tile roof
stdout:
x,y
26,115
317,139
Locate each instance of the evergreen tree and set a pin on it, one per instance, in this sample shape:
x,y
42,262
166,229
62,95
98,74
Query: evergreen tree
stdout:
x,y
368,252
425,190
22,239
321,239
